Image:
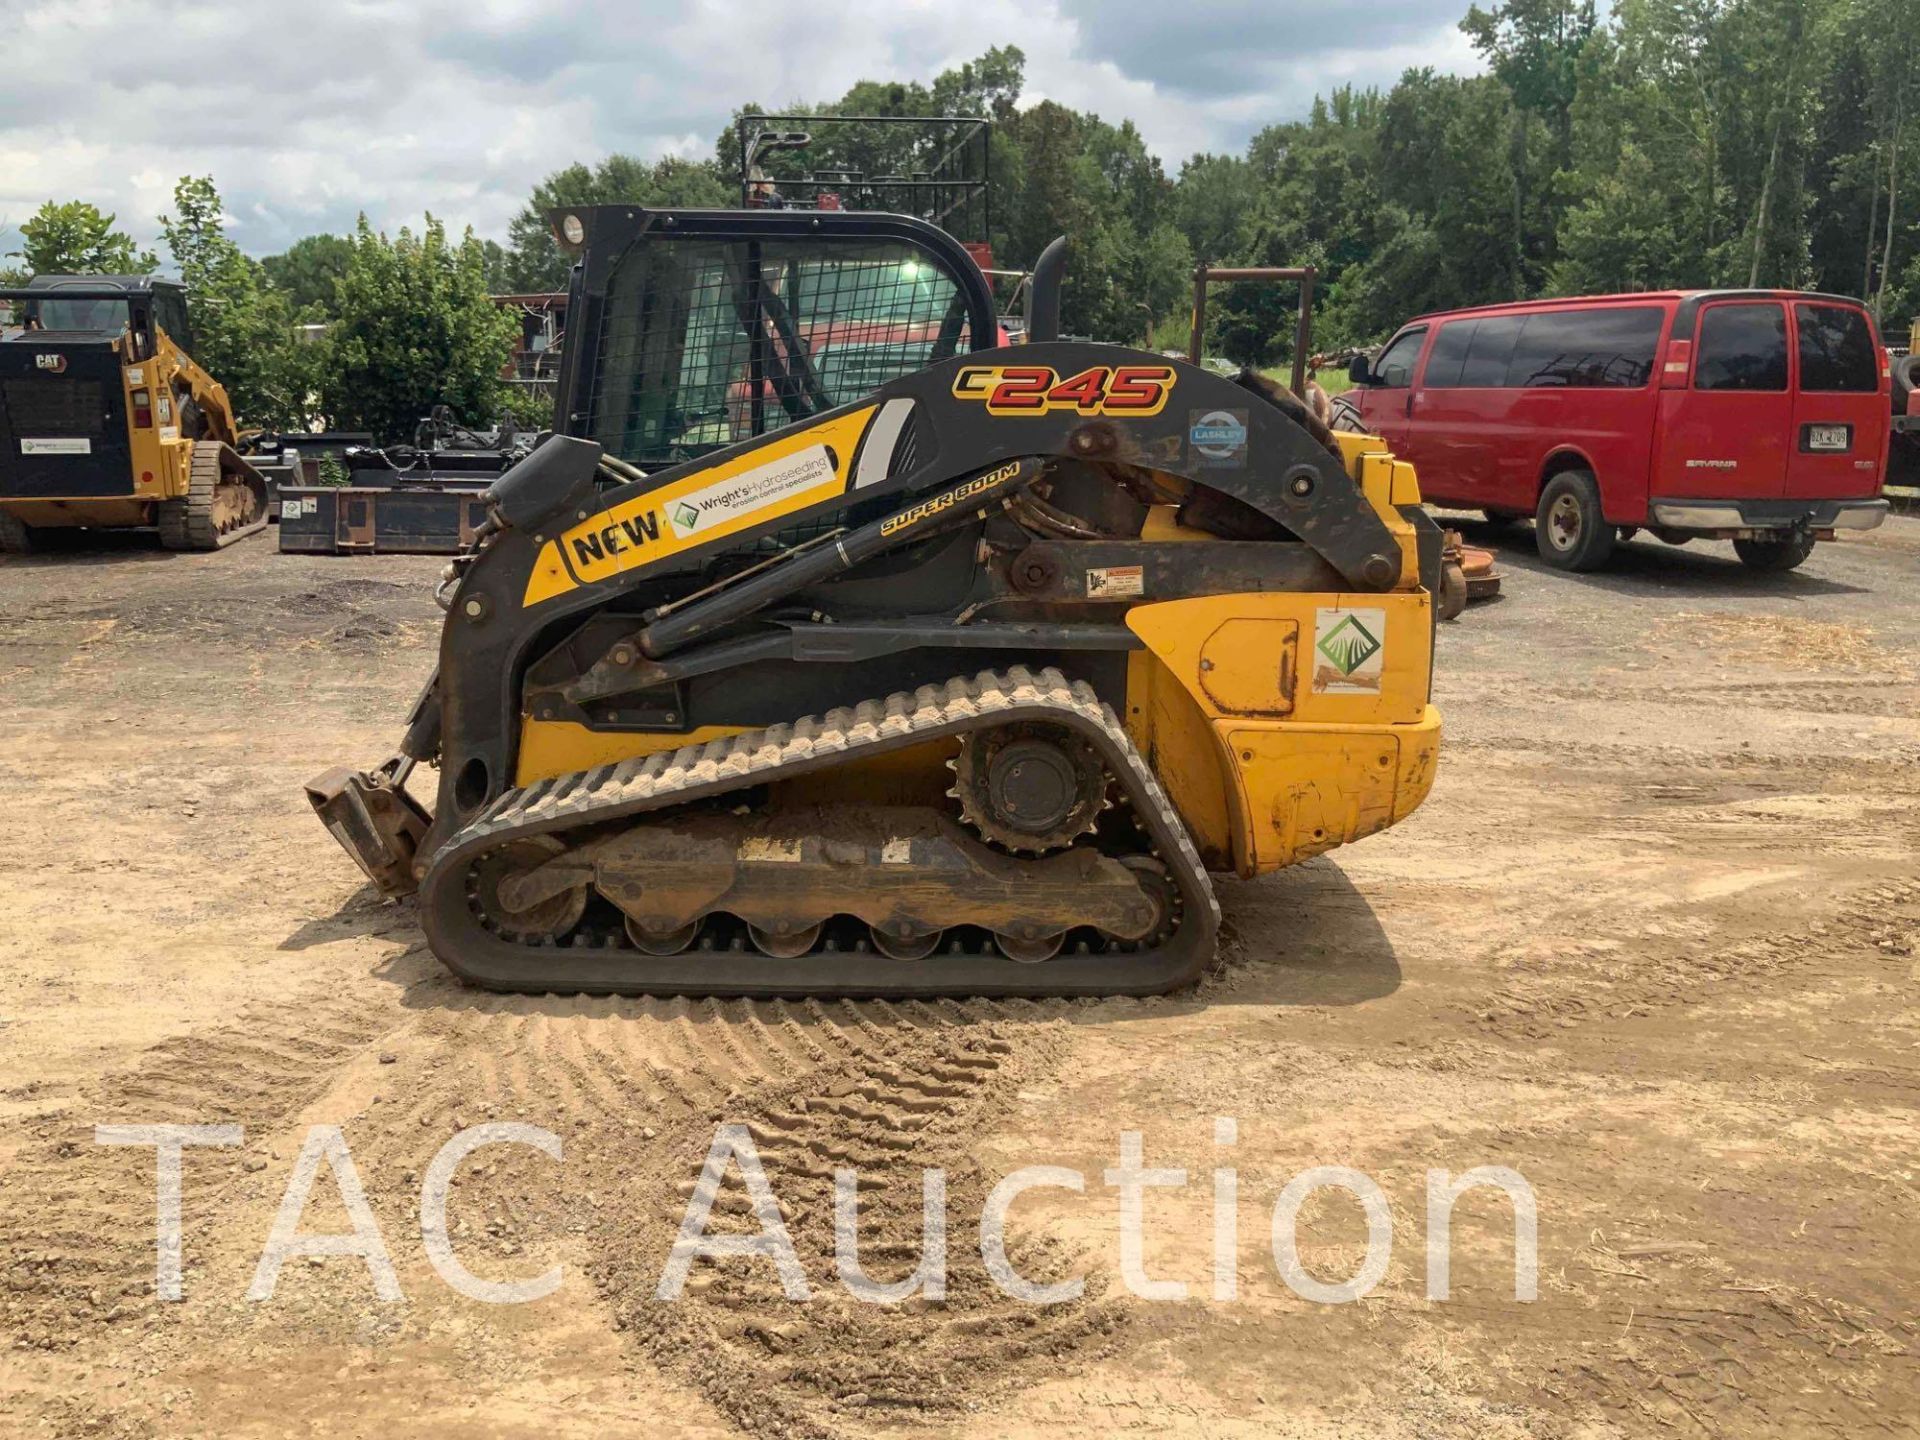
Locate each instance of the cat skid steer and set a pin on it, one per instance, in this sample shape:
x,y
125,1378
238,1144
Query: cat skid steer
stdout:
x,y
106,422
829,648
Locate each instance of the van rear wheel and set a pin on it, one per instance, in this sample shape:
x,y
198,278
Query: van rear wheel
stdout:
x,y
1568,528
1774,556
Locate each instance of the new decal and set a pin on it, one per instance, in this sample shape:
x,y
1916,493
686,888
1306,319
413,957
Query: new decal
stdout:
x,y
772,480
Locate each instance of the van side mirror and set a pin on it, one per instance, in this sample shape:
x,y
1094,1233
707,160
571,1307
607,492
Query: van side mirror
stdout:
x,y
1358,371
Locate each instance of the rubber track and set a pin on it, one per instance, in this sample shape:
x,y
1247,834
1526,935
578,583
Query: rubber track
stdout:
x,y
188,524
757,757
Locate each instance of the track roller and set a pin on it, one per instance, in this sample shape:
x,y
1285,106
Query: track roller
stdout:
x,y
786,943
1028,951
896,946
662,942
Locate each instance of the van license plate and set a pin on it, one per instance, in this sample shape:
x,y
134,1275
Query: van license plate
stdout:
x,y
1827,437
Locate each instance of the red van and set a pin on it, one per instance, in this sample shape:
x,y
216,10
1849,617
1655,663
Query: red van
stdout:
x,y
1756,416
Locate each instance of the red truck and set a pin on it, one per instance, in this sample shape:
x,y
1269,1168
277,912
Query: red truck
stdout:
x,y
1756,416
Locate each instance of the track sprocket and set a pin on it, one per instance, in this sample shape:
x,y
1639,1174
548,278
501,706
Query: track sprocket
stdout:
x,y
1030,788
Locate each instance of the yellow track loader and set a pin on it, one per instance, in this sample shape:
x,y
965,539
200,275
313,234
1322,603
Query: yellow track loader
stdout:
x,y
107,422
831,647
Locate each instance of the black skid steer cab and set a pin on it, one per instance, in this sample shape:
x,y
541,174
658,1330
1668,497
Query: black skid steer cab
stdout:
x,y
830,646
107,422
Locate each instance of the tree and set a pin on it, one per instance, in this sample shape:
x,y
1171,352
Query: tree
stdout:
x,y
243,326
534,262
74,238
308,272
414,328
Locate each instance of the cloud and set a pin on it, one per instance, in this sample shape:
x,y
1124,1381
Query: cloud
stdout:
x,y
306,114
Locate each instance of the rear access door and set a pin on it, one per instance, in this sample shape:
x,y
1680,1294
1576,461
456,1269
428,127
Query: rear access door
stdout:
x,y
1841,414
1728,433
63,419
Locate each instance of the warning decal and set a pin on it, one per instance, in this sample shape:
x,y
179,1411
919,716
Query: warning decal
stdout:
x,y
1117,582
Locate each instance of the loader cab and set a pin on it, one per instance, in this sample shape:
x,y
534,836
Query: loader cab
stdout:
x,y
83,309
692,330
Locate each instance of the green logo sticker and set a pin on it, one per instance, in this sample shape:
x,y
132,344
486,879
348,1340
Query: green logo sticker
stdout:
x,y
1349,645
686,517
1350,649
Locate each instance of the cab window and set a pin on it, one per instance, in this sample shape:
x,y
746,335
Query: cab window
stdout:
x,y
1394,370
170,313
104,317
1742,347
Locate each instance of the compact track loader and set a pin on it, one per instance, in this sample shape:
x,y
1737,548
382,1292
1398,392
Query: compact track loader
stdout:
x,y
830,648
107,422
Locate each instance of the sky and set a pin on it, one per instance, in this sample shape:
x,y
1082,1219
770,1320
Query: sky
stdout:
x,y
307,112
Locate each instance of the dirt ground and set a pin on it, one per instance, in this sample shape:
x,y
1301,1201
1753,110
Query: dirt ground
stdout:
x,y
1650,944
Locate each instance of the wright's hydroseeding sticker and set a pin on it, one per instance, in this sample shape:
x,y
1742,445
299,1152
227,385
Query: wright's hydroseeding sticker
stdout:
x,y
733,492
750,491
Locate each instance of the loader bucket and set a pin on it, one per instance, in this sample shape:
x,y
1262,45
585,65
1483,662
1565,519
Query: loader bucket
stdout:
x,y
376,822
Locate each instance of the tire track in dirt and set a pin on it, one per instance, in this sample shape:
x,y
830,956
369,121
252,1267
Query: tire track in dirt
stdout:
x,y
1879,768
906,1093
1869,920
635,1088
1711,1355
77,1218
1892,697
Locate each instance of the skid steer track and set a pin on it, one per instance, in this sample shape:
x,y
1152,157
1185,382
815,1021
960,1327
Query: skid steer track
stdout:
x,y
599,959
226,500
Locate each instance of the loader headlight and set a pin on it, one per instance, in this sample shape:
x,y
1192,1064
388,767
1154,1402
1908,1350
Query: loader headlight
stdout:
x,y
572,227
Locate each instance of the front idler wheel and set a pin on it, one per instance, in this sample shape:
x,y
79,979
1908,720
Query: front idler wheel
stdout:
x,y
547,919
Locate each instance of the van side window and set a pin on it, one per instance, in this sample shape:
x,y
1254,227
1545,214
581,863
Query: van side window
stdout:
x,y
1448,354
1836,349
1395,370
1485,367
1595,348
1742,347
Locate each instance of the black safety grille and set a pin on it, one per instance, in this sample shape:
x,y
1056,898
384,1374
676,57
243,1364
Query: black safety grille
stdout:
x,y
54,408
